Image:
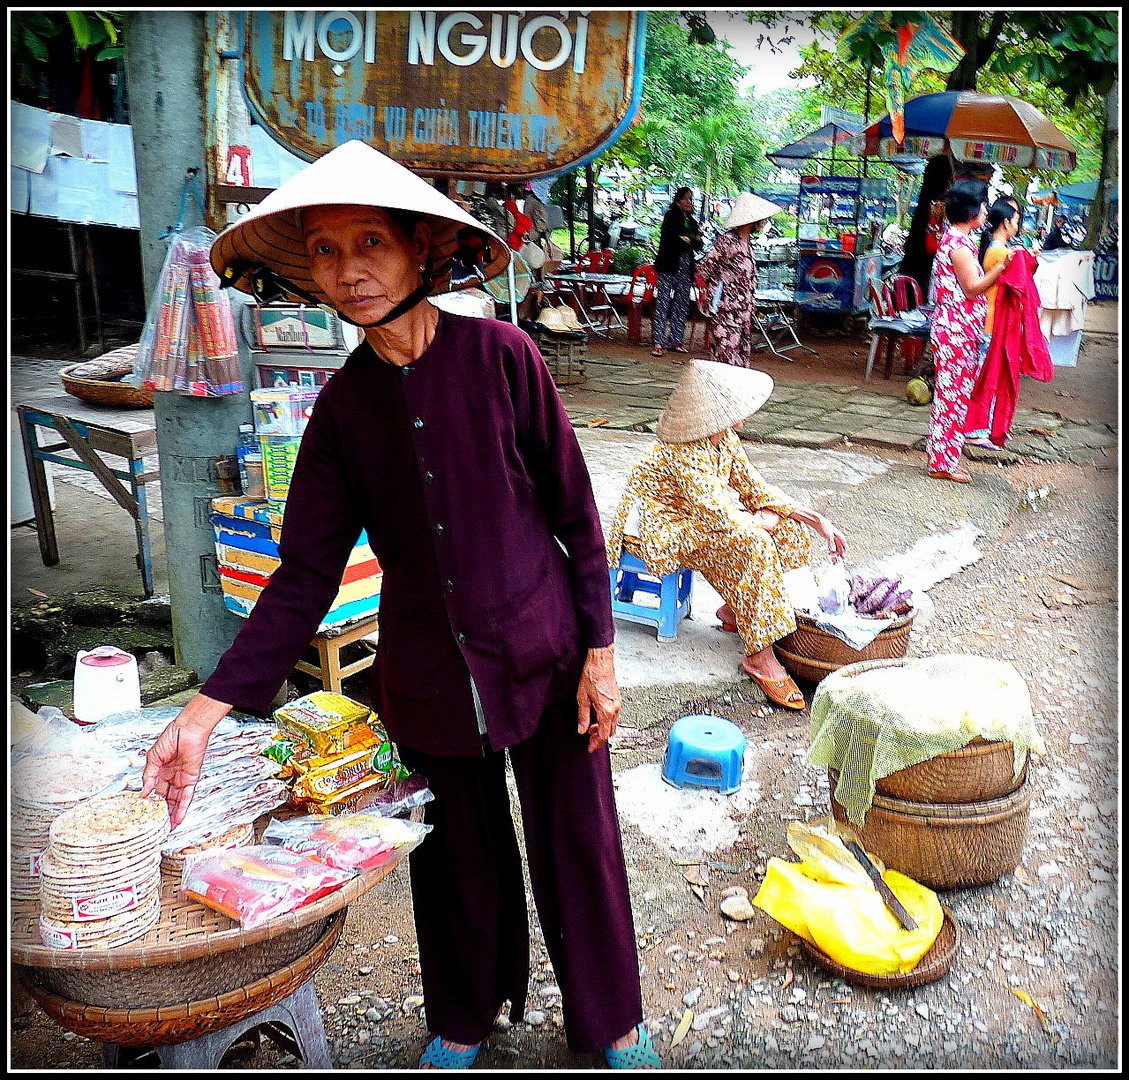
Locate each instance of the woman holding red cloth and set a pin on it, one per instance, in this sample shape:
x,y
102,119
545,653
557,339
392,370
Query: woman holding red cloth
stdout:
x,y
1014,343
957,328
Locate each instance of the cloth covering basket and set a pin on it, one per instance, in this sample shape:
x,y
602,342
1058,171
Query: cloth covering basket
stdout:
x,y
946,845
811,653
167,1024
935,963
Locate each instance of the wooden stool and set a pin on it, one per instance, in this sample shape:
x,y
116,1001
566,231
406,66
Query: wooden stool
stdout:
x,y
329,669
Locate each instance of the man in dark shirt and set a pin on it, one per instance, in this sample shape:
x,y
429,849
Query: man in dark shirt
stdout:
x,y
445,439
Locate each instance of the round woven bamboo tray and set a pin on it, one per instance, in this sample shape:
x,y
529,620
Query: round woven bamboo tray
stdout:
x,y
978,772
935,963
178,1023
186,931
106,391
946,845
812,653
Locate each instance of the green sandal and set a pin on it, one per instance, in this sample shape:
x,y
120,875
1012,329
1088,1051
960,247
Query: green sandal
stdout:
x,y
639,1056
439,1057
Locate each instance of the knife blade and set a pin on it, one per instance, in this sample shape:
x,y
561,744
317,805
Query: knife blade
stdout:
x,y
884,890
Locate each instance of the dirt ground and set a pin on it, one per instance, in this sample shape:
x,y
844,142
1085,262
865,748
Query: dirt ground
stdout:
x,y
1044,596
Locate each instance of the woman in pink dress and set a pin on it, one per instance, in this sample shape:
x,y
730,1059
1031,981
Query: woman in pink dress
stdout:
x,y
958,326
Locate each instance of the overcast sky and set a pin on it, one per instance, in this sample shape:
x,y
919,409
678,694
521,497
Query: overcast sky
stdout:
x,y
770,69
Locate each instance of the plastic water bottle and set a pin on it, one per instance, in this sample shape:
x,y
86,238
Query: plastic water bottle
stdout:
x,y
247,446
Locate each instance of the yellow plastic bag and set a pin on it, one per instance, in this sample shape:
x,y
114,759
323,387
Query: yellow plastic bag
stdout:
x,y
850,923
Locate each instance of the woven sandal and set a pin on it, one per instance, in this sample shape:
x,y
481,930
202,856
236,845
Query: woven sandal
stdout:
x,y
639,1056
439,1057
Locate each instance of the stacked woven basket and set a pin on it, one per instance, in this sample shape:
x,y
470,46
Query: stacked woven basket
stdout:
x,y
812,653
957,819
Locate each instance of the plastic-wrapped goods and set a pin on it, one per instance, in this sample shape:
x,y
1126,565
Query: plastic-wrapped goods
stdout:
x,y
188,344
259,883
350,842
326,723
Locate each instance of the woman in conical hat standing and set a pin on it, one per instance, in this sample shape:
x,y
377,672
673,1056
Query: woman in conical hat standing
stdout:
x,y
445,439
694,501
732,266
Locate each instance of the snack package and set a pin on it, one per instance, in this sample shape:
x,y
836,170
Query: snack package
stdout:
x,y
322,778
258,883
350,842
325,724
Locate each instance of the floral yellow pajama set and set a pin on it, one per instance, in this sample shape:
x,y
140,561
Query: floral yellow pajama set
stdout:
x,y
690,505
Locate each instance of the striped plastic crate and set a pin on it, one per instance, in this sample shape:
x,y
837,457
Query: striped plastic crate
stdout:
x,y
246,535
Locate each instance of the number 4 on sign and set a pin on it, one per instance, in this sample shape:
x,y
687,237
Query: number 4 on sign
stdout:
x,y
238,166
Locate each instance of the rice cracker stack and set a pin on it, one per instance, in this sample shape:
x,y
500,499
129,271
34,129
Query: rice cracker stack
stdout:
x,y
43,787
100,877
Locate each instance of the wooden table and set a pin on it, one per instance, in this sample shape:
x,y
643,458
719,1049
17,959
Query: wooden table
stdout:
x,y
89,433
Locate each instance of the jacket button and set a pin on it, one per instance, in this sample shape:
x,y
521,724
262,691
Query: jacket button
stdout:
x,y
438,530
462,639
429,477
417,422
450,586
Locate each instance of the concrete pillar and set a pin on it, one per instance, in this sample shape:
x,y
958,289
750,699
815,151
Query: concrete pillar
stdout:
x,y
165,81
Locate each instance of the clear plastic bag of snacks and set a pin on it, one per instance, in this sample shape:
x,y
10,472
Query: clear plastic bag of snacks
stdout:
x,y
255,884
348,842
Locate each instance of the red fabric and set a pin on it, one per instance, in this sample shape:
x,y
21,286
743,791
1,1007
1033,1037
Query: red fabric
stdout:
x,y
1018,347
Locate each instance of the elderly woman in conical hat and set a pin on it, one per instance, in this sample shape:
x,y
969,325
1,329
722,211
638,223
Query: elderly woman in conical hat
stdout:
x,y
444,438
695,501
729,272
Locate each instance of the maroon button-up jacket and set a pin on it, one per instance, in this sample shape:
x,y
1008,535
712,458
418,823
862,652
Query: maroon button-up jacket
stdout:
x,y
465,472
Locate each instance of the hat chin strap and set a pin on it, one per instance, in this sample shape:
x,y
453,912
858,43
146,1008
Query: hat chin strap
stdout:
x,y
409,302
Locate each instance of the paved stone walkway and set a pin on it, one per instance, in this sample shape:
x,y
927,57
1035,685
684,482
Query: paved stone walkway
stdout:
x,y
629,394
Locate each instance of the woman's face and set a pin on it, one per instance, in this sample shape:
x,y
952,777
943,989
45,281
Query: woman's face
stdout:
x,y
686,202
978,221
362,260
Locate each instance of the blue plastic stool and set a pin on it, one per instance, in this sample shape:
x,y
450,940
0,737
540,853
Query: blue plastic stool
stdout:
x,y
704,751
673,590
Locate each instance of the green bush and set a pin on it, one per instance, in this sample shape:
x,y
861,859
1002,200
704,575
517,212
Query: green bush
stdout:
x,y
628,259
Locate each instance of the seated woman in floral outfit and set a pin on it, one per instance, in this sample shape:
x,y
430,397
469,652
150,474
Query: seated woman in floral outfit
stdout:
x,y
694,501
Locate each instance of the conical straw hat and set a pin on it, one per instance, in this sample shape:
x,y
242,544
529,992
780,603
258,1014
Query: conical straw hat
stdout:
x,y
749,209
352,174
711,397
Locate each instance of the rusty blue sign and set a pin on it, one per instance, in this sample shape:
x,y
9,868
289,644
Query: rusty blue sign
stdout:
x,y
472,94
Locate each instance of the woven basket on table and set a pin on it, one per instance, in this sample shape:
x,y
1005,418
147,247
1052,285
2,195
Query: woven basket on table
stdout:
x,y
164,1025
935,963
946,845
812,653
106,391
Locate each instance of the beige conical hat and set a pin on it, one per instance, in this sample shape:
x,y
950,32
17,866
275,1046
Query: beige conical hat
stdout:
x,y
352,174
711,397
749,209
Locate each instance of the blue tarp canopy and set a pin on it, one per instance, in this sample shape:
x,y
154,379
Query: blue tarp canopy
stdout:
x,y
1081,191
819,143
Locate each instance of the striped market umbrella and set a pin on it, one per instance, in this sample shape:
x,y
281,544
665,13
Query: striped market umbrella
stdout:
x,y
973,127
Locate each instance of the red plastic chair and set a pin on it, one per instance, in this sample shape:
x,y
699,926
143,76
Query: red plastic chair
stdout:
x,y
605,263
590,263
899,290
641,291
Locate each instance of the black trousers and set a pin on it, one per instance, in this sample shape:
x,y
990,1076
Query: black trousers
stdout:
x,y
468,891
